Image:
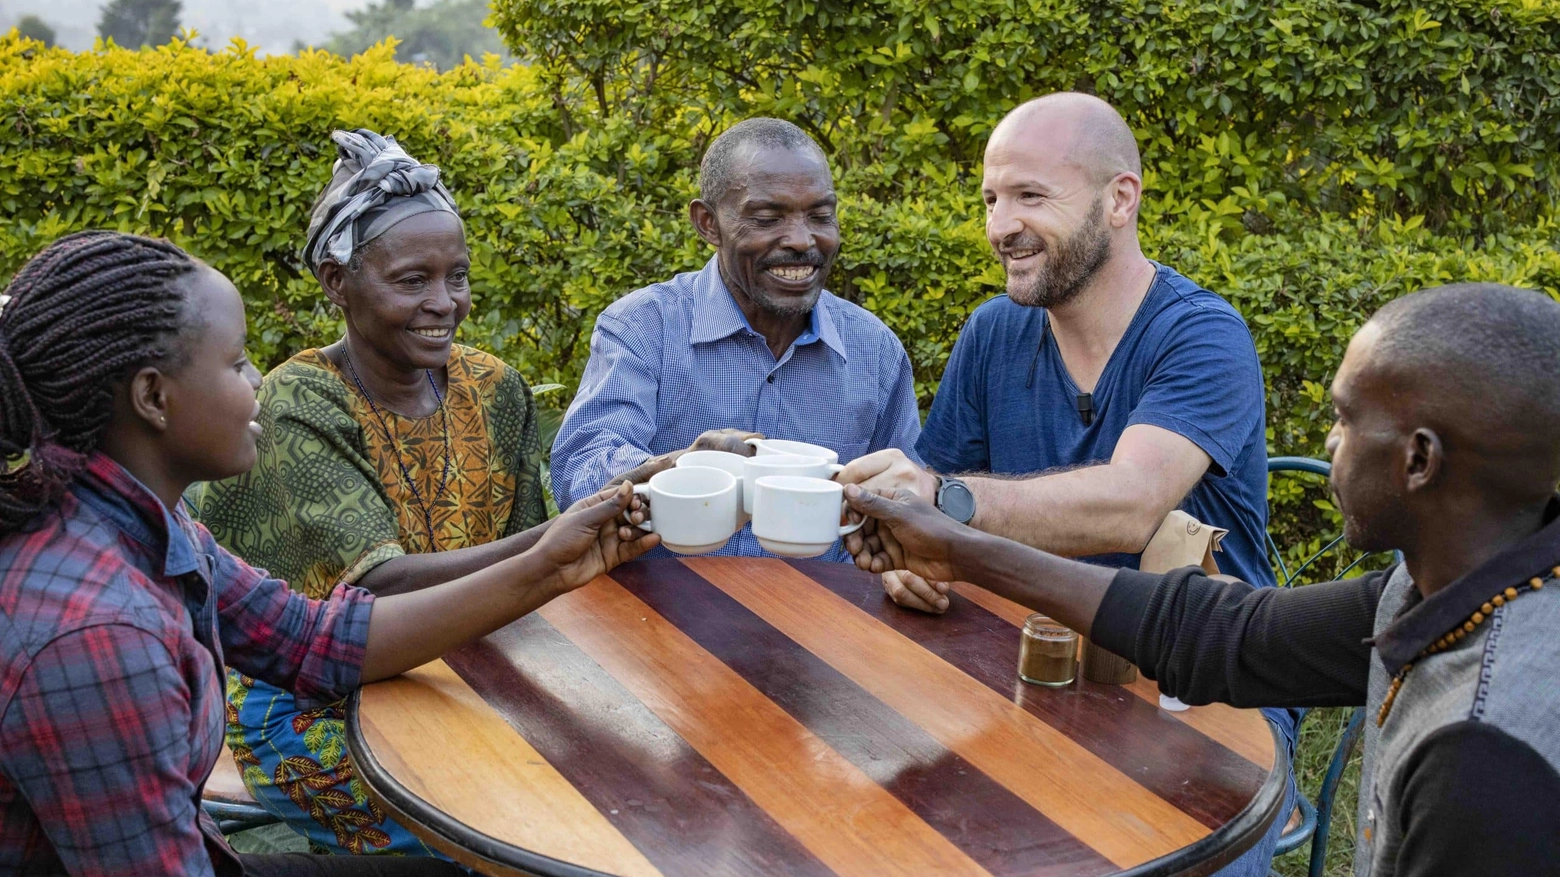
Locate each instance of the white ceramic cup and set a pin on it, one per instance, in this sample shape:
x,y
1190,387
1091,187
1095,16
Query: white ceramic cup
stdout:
x,y
692,507
726,461
794,516
756,467
799,449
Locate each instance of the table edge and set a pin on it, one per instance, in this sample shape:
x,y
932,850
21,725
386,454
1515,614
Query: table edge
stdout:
x,y
1229,841
1205,856
417,813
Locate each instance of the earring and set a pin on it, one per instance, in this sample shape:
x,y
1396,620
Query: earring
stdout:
x,y
163,420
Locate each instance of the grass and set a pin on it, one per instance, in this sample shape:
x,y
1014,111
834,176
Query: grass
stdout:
x,y
1318,738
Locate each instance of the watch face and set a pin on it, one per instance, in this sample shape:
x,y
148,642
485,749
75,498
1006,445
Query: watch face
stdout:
x,y
957,502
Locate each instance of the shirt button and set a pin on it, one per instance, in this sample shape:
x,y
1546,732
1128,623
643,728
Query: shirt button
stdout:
x,y
770,379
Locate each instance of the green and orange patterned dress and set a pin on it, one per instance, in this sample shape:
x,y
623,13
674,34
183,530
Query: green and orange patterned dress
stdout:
x,y
325,503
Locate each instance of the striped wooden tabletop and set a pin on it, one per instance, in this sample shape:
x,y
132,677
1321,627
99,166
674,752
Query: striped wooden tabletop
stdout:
x,y
752,716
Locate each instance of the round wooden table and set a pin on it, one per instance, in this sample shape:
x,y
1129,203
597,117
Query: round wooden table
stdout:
x,y
715,716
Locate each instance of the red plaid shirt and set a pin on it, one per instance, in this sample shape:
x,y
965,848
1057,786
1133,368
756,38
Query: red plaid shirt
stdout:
x,y
115,620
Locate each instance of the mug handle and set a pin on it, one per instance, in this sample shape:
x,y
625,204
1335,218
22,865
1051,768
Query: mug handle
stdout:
x,y
649,526
848,529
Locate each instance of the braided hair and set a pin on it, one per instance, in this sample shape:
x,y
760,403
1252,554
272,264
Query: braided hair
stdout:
x,y
82,316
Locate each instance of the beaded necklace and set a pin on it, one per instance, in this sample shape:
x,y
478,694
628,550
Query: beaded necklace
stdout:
x,y
1457,635
425,507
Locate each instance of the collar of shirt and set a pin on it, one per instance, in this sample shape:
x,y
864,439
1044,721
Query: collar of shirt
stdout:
x,y
716,315
122,500
1423,621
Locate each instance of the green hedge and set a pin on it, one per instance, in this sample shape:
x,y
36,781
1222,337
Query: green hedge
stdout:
x,y
1310,160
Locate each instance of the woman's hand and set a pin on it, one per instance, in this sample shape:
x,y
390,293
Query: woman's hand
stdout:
x,y
588,540
910,533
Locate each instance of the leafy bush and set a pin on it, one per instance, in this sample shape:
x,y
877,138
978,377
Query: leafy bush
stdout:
x,y
1440,108
1308,159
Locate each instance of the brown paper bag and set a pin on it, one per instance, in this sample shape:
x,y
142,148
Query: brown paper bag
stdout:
x,y
1181,540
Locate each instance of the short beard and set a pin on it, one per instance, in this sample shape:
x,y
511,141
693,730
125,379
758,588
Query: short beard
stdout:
x,y
1069,267
784,307
1375,529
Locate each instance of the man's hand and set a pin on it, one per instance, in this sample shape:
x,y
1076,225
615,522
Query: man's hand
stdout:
x,y
732,441
889,470
588,540
913,535
913,592
883,471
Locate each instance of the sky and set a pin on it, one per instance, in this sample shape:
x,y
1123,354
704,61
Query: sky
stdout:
x,y
272,25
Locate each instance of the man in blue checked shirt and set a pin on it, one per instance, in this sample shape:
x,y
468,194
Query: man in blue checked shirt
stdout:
x,y
752,344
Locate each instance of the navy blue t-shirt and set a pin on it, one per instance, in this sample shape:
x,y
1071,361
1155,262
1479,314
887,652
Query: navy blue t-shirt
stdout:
x,y
1186,364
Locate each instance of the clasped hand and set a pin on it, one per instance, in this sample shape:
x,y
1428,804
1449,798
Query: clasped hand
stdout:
x,y
890,470
910,534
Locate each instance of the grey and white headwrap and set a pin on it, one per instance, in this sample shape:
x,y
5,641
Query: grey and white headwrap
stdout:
x,y
373,186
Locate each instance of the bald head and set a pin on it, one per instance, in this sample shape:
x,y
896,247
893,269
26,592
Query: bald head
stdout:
x,y
1080,128
1486,352
1479,363
1448,428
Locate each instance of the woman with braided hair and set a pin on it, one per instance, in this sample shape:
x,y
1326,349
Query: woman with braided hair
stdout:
x,y
392,458
123,379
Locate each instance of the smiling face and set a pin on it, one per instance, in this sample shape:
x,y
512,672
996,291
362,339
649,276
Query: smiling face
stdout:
x,y
1368,446
409,292
211,408
775,230
1045,215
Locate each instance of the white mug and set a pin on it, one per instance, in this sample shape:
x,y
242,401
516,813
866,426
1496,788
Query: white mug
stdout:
x,y
798,449
694,508
795,516
726,461
754,468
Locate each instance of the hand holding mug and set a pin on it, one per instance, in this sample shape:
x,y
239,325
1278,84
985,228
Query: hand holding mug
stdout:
x,y
889,470
587,540
883,471
914,535
732,441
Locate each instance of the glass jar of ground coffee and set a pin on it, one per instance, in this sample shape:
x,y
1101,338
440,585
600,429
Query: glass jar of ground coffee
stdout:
x,y
1047,653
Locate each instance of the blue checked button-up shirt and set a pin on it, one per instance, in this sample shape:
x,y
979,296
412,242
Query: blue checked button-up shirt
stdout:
x,y
672,360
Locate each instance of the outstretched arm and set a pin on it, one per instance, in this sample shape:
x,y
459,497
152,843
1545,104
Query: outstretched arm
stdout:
x,y
1204,640
1114,507
407,630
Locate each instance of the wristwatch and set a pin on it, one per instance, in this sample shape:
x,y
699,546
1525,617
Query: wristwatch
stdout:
x,y
954,499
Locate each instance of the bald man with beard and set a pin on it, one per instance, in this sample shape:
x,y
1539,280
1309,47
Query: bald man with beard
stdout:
x,y
1101,392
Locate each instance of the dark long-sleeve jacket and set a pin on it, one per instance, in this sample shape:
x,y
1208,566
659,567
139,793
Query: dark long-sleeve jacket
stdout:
x,y
1462,778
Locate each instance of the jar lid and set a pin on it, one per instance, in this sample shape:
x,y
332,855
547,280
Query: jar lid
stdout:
x,y
1044,627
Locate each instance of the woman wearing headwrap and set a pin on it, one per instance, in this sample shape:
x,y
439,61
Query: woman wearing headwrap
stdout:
x,y
391,459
